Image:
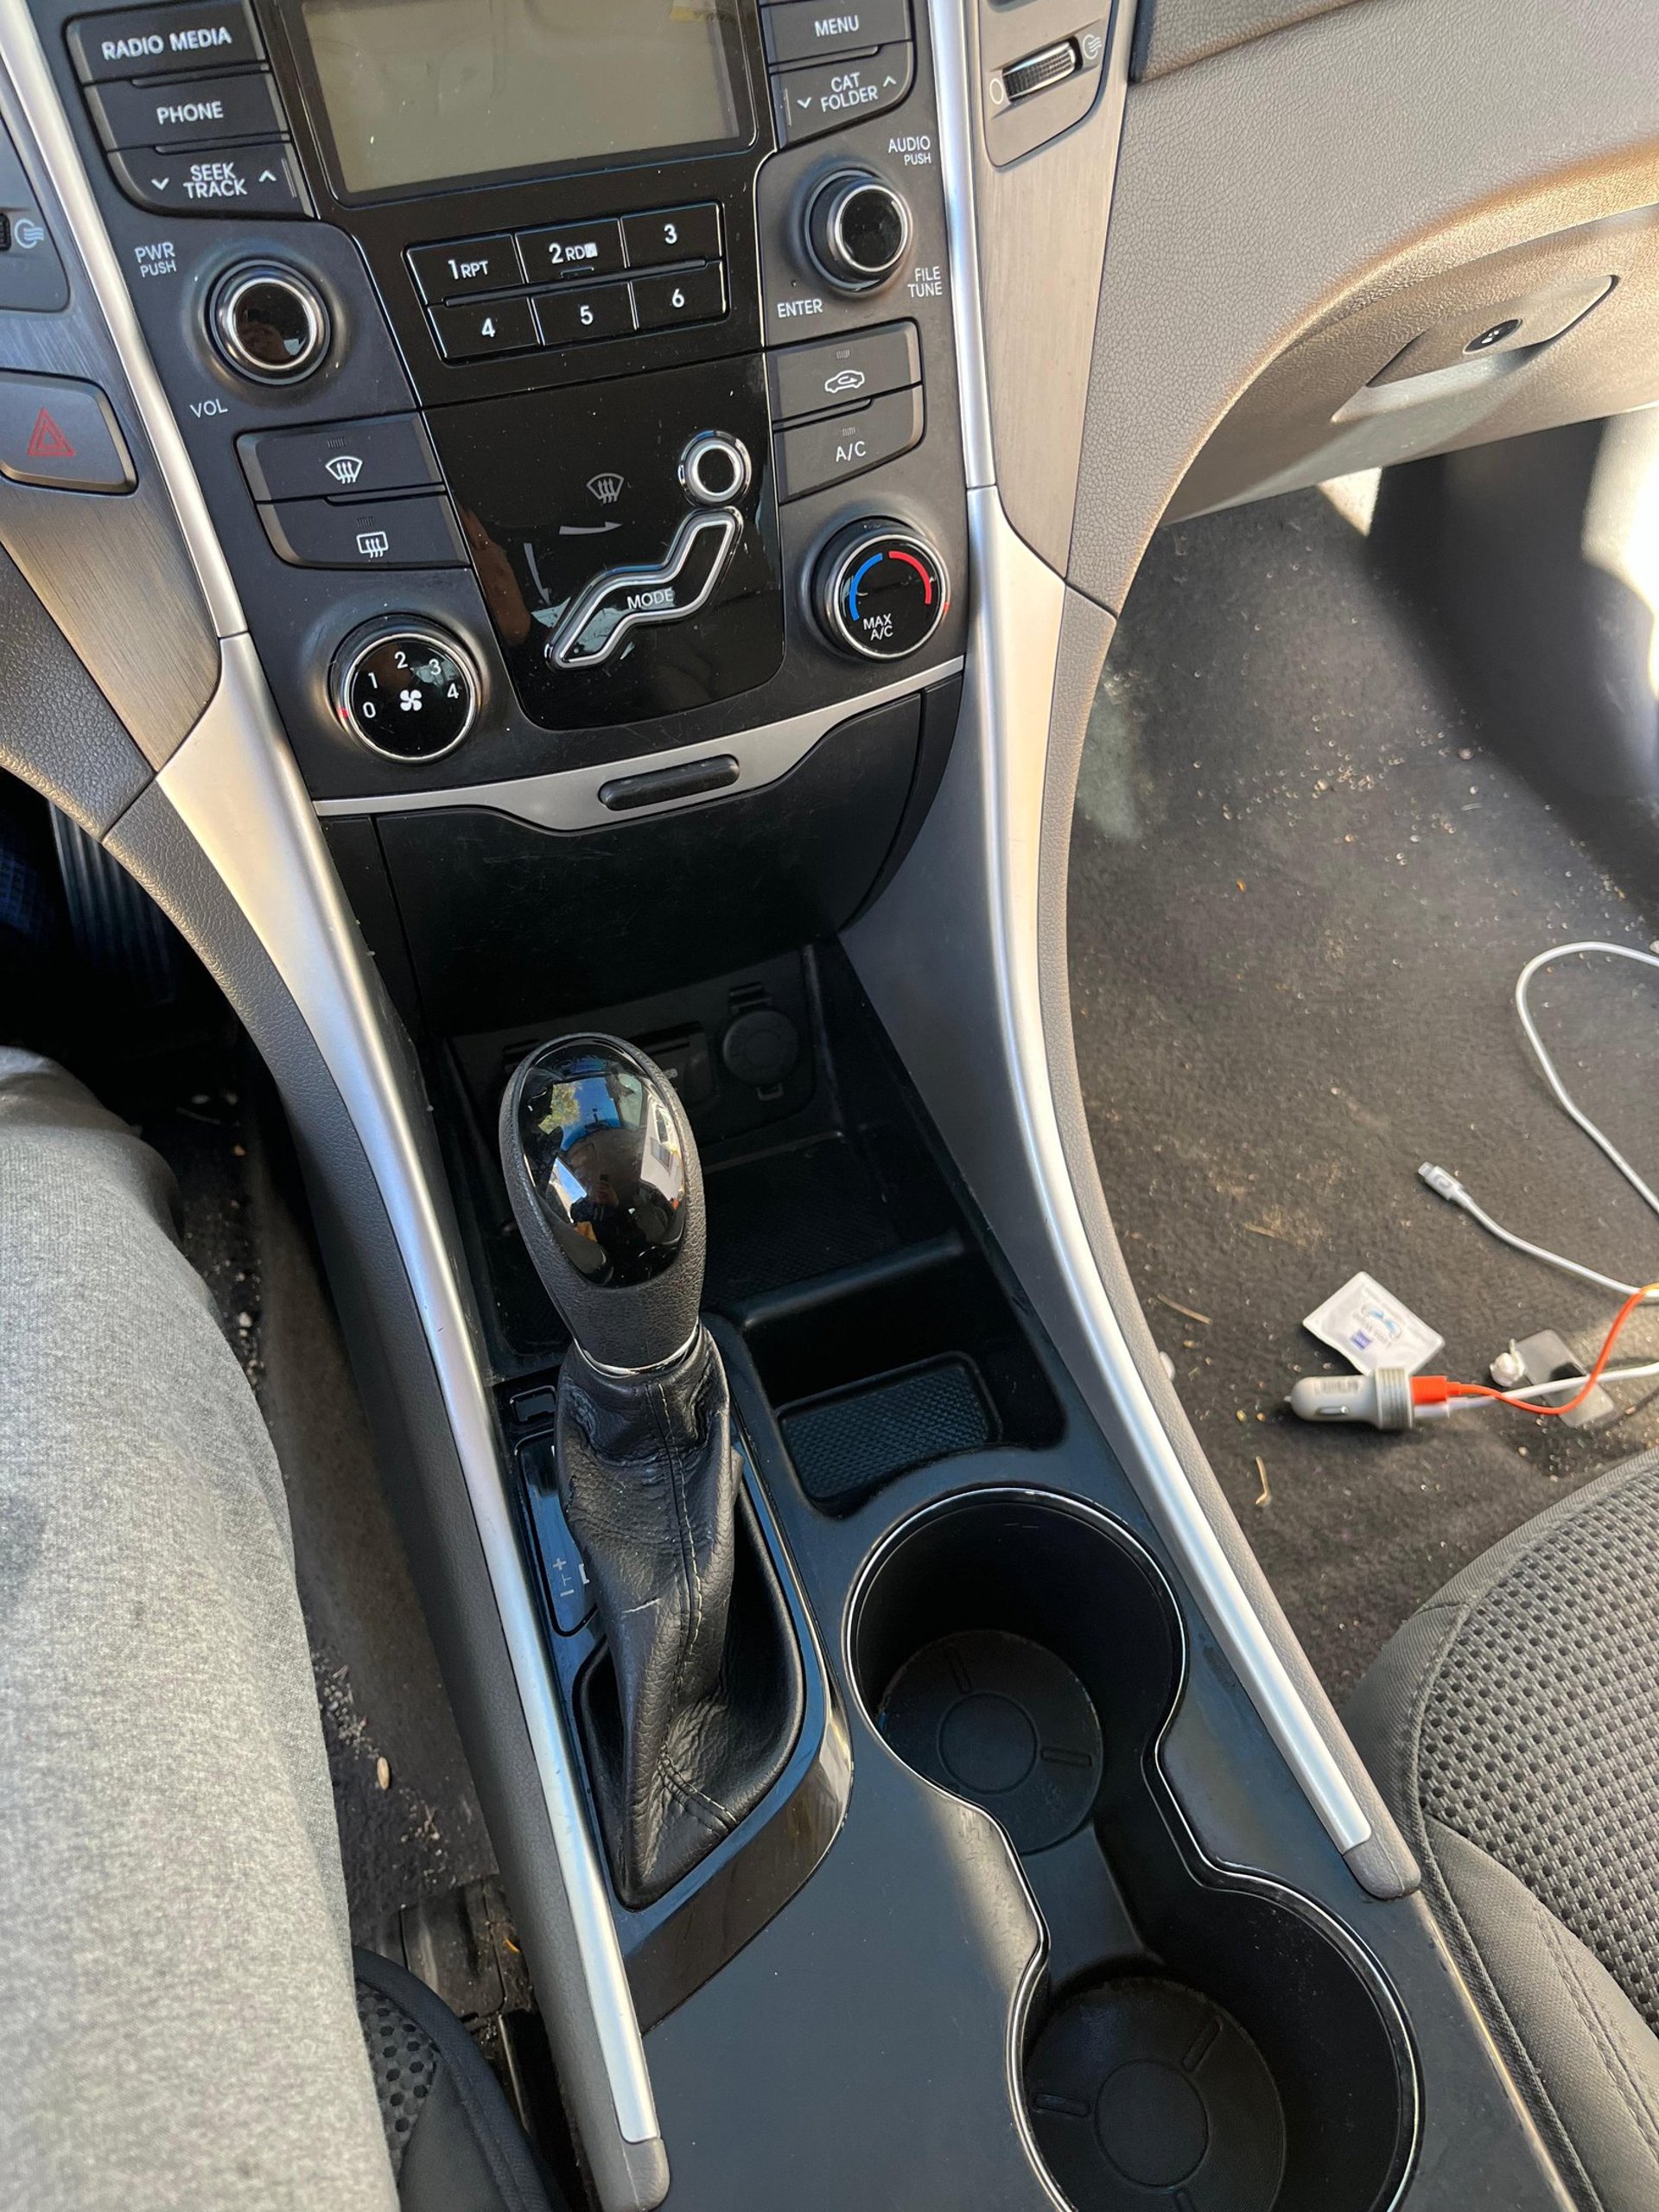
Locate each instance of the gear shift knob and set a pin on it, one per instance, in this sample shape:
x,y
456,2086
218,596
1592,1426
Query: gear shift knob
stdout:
x,y
601,1168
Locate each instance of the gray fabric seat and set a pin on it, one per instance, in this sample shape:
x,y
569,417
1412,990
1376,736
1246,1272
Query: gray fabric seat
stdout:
x,y
1513,1725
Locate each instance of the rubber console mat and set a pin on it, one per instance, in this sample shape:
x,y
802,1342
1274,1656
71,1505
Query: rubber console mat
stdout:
x,y
1302,888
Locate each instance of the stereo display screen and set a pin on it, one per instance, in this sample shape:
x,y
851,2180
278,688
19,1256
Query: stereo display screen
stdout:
x,y
421,91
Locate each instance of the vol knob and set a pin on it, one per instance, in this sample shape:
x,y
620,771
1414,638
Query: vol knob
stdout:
x,y
270,322
881,591
857,229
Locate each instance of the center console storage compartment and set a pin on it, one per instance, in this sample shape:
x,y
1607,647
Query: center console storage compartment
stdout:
x,y
1201,2039
913,1358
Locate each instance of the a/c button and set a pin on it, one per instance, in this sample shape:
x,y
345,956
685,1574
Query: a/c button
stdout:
x,y
59,432
813,455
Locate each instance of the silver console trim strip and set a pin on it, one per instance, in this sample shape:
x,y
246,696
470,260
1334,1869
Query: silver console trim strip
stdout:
x,y
235,769
568,798
994,790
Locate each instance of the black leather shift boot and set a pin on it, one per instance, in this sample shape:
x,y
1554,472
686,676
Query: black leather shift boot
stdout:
x,y
690,1712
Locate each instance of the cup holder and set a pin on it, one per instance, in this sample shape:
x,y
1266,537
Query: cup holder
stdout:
x,y
1204,2041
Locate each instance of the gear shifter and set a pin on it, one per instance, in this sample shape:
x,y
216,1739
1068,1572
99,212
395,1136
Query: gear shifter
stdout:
x,y
693,1717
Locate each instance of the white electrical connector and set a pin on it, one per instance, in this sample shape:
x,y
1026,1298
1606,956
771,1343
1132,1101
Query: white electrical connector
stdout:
x,y
1383,1399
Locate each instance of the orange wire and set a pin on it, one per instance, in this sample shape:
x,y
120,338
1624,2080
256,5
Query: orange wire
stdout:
x,y
1529,1406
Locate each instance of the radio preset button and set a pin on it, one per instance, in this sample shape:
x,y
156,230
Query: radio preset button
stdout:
x,y
698,296
572,250
383,453
157,41
471,334
676,234
200,111
805,30
417,533
812,101
259,180
450,272
816,454
570,318
840,372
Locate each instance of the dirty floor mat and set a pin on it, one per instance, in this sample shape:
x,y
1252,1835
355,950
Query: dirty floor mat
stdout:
x,y
1302,887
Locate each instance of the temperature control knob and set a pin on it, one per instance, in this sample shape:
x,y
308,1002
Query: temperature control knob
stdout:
x,y
881,590
404,689
857,229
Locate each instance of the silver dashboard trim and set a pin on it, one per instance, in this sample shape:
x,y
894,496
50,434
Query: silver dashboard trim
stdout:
x,y
568,798
234,769
993,800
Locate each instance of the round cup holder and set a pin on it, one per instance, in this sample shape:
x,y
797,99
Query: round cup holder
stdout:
x,y
1218,2043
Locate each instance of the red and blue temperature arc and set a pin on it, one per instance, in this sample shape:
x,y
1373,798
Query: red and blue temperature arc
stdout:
x,y
890,553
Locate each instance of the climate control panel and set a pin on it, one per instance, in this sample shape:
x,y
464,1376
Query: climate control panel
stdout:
x,y
613,421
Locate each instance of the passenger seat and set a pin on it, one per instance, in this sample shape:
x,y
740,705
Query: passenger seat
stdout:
x,y
451,2135
1513,1725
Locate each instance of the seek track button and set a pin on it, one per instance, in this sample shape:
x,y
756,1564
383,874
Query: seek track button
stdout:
x,y
237,180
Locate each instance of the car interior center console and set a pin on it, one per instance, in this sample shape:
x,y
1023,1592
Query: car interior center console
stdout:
x,y
573,394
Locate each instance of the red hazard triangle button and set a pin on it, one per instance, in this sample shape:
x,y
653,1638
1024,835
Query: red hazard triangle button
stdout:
x,y
48,441
62,433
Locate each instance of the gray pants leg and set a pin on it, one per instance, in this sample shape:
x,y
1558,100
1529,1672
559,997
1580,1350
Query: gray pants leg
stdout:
x,y
177,2019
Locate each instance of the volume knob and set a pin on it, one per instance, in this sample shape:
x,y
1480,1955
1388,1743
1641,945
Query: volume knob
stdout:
x,y
857,229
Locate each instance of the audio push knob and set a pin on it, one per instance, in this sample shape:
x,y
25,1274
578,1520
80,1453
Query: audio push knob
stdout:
x,y
857,229
880,589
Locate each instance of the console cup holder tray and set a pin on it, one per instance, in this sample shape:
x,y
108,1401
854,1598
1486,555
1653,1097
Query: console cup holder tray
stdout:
x,y
1203,2039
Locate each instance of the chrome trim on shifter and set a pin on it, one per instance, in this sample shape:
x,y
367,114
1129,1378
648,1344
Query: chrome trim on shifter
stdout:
x,y
235,771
